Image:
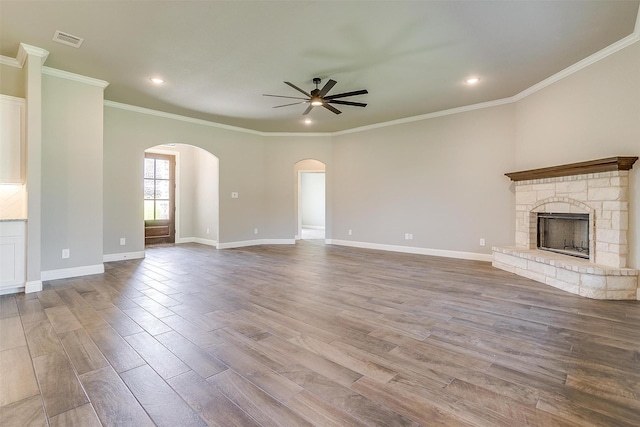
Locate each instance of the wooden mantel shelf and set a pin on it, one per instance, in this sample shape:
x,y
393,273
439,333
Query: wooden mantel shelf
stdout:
x,y
593,166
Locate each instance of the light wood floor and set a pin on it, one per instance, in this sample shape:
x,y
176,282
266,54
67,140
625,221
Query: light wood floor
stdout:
x,y
314,335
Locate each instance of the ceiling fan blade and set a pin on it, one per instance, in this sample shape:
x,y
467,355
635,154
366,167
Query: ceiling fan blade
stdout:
x,y
332,109
343,95
286,105
355,104
297,88
308,110
282,96
327,87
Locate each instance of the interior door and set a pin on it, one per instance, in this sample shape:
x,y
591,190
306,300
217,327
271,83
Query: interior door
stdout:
x,y
159,199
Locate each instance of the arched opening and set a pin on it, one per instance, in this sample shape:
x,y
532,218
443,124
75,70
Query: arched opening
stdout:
x,y
196,196
310,199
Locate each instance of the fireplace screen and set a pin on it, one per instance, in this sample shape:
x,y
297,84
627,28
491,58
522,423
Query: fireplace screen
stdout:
x,y
564,233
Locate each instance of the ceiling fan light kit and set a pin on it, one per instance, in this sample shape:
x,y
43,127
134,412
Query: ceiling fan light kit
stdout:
x,y
318,97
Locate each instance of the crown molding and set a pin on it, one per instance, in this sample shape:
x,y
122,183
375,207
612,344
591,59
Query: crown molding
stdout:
x,y
11,62
428,116
26,49
590,60
203,122
75,77
187,119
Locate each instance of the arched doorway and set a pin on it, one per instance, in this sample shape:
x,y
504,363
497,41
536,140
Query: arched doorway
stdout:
x,y
196,197
310,199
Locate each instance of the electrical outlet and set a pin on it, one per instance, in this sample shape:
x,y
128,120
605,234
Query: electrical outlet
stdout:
x,y
482,241
65,253
234,195
408,236
350,232
255,231
123,241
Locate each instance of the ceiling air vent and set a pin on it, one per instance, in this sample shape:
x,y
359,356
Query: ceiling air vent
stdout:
x,y
68,39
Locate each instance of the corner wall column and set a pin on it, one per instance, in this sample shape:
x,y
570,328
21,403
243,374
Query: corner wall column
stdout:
x,y
33,59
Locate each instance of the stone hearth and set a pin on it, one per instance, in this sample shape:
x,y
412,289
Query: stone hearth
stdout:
x,y
599,188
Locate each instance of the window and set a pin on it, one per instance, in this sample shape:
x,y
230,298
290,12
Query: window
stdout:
x,y
157,188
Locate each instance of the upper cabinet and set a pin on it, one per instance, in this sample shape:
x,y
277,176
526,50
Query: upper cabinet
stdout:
x,y
12,140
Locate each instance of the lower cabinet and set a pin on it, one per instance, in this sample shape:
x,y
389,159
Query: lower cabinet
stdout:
x,y
12,256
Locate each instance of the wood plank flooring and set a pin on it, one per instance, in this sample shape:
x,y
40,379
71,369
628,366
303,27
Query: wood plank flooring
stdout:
x,y
314,335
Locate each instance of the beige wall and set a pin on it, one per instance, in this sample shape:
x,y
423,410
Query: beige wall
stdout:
x,y
197,191
12,81
72,198
592,114
439,179
241,168
281,155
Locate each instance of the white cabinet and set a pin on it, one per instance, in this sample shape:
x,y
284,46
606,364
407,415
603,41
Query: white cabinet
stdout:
x,y
12,153
12,256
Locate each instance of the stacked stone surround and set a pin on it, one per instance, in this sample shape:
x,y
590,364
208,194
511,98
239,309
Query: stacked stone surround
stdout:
x,y
604,197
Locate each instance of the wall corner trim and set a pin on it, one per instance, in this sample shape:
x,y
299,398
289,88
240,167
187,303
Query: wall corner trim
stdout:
x,y
33,286
473,256
122,256
64,273
26,49
179,117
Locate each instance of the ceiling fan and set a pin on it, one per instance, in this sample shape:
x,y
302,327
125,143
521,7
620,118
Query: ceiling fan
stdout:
x,y
319,98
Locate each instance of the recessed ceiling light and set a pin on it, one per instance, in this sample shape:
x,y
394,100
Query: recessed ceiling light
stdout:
x,y
472,80
308,121
157,80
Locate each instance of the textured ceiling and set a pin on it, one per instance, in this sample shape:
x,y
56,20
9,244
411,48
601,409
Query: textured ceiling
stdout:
x,y
219,57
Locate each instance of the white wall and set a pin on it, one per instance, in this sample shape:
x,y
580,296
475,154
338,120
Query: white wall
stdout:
x,y
312,199
72,196
206,195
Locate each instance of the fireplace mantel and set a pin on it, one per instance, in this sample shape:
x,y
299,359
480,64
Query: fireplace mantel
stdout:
x,y
618,163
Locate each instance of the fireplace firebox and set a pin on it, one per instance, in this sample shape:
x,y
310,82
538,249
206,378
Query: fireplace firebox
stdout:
x,y
565,233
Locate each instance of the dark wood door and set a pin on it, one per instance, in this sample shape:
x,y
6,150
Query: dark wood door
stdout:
x,y
159,199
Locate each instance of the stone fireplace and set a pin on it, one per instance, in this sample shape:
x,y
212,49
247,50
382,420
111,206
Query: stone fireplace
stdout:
x,y
571,229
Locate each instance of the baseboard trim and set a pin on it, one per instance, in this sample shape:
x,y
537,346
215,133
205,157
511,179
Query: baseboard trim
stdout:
x,y
413,250
15,290
244,243
33,286
122,256
65,273
207,242
314,227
